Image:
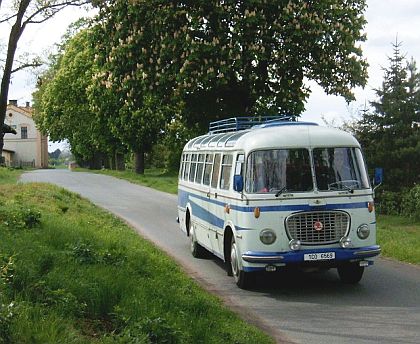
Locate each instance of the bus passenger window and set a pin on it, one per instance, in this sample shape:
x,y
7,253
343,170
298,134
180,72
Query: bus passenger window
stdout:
x,y
193,167
216,166
200,168
187,166
207,169
226,171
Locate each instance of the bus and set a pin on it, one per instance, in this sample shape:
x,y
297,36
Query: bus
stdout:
x,y
264,194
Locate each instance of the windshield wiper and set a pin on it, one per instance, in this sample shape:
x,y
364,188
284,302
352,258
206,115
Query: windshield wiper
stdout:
x,y
278,193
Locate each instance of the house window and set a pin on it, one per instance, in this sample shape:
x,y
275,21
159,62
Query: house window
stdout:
x,y
24,132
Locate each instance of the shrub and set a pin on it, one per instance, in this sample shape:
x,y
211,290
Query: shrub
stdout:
x,y
410,205
388,202
6,316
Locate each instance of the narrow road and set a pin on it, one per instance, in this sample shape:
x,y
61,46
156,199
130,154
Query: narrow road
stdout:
x,y
298,308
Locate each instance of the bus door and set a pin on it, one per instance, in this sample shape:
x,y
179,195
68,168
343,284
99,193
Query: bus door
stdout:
x,y
203,233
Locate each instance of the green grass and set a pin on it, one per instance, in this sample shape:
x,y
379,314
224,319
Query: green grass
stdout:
x,y
9,175
158,179
73,273
399,238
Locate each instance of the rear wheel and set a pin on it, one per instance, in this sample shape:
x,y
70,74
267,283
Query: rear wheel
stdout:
x,y
350,273
243,280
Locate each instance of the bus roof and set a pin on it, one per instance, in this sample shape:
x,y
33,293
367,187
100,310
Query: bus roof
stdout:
x,y
287,135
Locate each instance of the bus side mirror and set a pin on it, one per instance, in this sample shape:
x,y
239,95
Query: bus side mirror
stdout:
x,y
379,176
238,183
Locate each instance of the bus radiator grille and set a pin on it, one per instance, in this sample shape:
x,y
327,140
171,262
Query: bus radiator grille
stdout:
x,y
319,227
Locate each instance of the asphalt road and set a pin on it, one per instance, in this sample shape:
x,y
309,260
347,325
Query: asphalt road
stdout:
x,y
293,308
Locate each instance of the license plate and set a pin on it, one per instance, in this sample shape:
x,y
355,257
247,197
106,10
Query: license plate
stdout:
x,y
319,256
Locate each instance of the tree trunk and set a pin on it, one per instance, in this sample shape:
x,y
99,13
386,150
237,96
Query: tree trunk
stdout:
x,y
15,34
139,162
119,161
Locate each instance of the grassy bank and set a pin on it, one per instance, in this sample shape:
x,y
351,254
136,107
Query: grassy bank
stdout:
x,y
72,273
399,238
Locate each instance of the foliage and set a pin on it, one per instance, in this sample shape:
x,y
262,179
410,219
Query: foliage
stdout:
x,y
198,61
62,107
411,203
390,133
19,15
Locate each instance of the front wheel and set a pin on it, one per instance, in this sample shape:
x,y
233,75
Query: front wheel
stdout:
x,y
350,273
197,250
243,280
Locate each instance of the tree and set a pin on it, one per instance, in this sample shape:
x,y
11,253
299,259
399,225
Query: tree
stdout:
x,y
23,13
390,133
62,109
203,60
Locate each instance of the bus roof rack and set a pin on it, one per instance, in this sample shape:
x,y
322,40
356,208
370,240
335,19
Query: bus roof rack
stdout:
x,y
243,123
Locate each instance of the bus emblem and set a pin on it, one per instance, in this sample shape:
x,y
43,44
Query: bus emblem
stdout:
x,y
318,226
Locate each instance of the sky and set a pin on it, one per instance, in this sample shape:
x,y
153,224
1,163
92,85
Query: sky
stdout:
x,y
387,20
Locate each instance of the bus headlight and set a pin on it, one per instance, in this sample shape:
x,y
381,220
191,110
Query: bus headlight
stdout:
x,y
267,236
363,231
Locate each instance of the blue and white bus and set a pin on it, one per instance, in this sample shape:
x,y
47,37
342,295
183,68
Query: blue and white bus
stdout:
x,y
271,193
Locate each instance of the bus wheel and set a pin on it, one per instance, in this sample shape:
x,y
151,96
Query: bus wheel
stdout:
x,y
243,279
350,273
196,249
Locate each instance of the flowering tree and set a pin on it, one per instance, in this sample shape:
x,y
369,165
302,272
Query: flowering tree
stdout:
x,y
202,60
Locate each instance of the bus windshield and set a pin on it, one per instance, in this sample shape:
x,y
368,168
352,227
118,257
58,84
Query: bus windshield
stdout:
x,y
278,170
339,169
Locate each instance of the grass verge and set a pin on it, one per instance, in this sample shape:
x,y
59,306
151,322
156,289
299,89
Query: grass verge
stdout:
x,y
9,175
73,273
399,238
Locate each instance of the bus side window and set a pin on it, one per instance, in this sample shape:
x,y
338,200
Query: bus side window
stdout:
x,y
187,166
216,168
207,169
181,167
193,167
200,168
226,171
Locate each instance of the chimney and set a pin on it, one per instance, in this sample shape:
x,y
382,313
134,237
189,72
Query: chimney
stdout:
x,y
28,104
13,102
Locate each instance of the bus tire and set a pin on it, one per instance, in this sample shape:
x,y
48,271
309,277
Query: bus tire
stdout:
x,y
350,273
197,250
243,280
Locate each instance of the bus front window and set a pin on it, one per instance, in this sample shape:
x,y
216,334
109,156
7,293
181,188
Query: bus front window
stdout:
x,y
277,170
339,169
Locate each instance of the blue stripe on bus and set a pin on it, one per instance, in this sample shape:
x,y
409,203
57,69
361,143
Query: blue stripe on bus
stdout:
x,y
183,197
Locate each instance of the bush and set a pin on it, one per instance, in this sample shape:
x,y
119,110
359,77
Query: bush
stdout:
x,y
388,202
403,203
410,205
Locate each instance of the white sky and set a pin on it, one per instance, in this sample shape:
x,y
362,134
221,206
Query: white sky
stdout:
x,y
386,19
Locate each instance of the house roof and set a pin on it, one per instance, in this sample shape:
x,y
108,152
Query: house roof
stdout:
x,y
26,111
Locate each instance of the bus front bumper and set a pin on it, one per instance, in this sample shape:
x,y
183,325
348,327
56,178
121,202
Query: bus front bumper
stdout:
x,y
299,257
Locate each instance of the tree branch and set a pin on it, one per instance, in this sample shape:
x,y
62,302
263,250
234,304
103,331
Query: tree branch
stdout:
x,y
55,8
26,65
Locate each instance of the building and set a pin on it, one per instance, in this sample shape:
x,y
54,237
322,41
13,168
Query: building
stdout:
x,y
28,148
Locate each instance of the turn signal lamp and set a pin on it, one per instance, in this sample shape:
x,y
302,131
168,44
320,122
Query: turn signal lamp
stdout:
x,y
257,212
371,206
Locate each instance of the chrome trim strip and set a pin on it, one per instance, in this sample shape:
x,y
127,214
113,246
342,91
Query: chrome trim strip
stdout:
x,y
260,259
362,253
